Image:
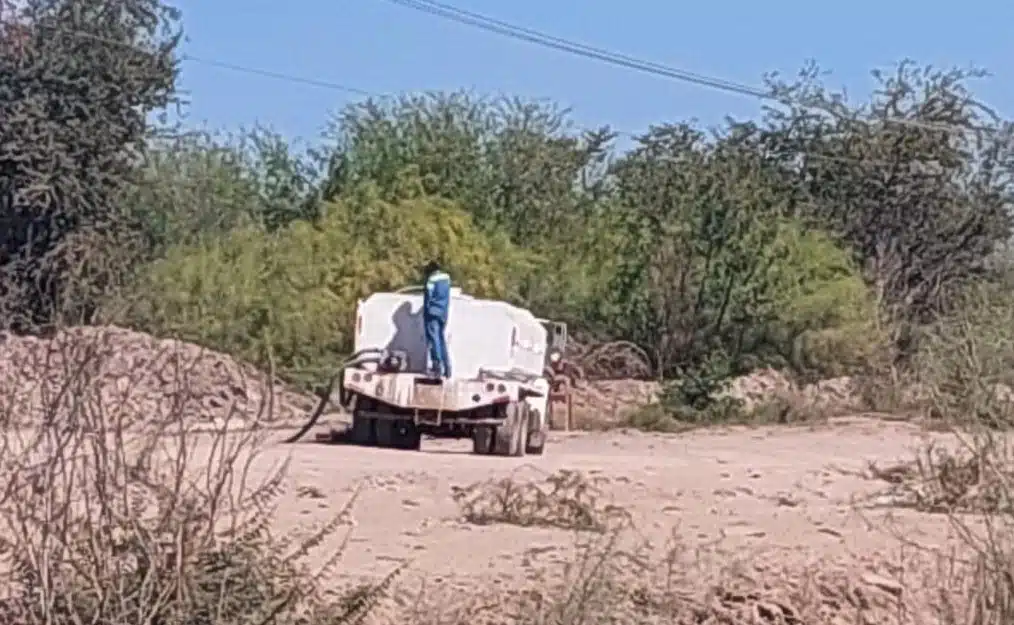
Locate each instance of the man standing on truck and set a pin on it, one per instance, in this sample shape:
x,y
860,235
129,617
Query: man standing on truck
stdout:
x,y
436,304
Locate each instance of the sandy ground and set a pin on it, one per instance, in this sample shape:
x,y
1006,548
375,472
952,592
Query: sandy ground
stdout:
x,y
792,491
779,497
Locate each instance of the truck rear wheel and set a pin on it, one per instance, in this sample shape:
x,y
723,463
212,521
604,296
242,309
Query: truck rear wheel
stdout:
x,y
398,434
407,436
535,439
512,437
482,439
535,442
385,433
364,428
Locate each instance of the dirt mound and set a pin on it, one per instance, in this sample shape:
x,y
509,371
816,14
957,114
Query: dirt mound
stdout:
x,y
145,378
604,403
765,384
760,385
608,402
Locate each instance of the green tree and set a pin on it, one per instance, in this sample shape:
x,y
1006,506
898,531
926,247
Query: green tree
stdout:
x,y
198,186
287,180
517,166
78,82
918,181
711,261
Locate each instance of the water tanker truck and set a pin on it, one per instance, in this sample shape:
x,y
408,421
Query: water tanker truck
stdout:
x,y
503,362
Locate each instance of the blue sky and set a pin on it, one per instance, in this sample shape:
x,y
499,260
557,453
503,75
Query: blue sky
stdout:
x,y
380,47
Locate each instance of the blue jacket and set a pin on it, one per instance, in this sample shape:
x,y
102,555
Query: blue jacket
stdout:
x,y
437,296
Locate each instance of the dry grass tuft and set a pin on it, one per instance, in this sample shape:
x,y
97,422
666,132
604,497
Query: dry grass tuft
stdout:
x,y
964,370
564,500
942,481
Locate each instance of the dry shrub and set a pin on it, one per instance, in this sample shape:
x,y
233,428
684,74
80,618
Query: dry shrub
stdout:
x,y
564,500
597,585
788,409
765,587
973,486
611,360
656,418
965,369
112,520
940,480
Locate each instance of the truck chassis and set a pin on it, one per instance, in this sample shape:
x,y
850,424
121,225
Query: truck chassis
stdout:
x,y
504,413
395,410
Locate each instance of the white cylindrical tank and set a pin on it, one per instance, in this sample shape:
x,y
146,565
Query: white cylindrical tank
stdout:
x,y
481,334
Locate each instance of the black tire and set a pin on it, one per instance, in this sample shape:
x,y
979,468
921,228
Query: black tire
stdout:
x,y
407,436
536,444
363,430
512,436
520,438
482,439
387,434
536,439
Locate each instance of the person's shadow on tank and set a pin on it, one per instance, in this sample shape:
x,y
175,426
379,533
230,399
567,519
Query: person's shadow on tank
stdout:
x,y
409,337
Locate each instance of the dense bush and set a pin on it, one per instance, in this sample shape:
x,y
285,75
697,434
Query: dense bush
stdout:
x,y
823,317
77,84
199,186
291,294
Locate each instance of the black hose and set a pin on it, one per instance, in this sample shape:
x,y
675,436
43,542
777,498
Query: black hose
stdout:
x,y
357,358
319,410
351,360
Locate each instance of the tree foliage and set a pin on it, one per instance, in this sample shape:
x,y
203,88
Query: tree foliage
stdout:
x,y
758,243
197,186
78,80
712,263
518,166
918,182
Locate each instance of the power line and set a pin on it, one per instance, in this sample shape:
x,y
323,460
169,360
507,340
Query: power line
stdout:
x,y
314,82
557,43
243,69
509,30
327,84
489,24
355,90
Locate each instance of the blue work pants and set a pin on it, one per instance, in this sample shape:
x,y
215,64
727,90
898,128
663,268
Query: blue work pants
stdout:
x,y
440,362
